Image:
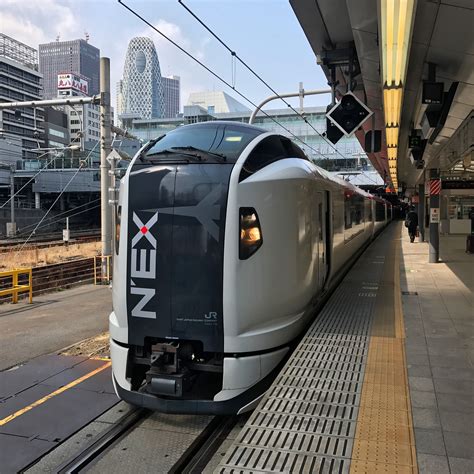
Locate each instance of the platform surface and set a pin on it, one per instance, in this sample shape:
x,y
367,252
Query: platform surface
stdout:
x,y
438,310
46,400
383,378
52,322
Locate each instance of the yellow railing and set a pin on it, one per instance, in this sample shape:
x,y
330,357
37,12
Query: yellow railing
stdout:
x,y
17,288
103,262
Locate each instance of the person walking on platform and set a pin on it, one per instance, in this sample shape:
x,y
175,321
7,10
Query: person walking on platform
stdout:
x,y
411,222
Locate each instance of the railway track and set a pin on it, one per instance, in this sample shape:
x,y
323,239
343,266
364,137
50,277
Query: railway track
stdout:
x,y
103,442
49,240
194,459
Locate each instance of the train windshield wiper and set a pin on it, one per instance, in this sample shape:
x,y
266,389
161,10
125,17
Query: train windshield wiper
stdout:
x,y
200,150
171,151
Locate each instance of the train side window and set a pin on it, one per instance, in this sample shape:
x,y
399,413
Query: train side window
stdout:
x,y
293,150
379,211
267,151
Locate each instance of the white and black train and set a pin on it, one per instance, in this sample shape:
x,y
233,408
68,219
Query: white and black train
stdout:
x,y
227,237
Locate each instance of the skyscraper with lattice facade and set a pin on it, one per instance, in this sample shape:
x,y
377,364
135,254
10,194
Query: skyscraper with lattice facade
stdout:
x,y
141,87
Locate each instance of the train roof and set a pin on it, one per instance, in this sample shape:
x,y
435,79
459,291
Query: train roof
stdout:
x,y
235,125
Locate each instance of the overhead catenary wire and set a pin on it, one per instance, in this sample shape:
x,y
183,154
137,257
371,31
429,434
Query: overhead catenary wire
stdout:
x,y
58,217
216,75
57,199
47,224
31,179
234,56
41,170
49,209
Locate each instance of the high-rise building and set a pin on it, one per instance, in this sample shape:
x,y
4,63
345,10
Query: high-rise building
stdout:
x,y
171,95
20,81
141,86
76,56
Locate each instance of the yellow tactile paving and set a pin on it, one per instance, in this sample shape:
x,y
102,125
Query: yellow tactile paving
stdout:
x,y
384,440
368,467
383,453
384,397
384,416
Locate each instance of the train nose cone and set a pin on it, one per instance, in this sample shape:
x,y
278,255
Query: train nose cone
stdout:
x,y
184,299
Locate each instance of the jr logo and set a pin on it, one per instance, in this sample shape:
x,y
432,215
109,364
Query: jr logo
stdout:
x,y
143,265
211,315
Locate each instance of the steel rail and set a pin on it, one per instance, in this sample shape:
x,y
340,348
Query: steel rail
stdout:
x,y
202,449
102,442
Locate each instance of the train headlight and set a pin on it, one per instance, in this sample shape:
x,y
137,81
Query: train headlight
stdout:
x,y
250,233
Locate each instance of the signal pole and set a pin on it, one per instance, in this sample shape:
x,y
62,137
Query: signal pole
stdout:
x,y
105,149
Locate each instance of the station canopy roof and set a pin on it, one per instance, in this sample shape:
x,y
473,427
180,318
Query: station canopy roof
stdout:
x,y
384,75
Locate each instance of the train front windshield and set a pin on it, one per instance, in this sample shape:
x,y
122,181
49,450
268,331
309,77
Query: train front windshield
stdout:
x,y
222,141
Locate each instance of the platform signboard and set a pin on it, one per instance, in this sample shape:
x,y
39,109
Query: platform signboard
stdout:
x,y
434,215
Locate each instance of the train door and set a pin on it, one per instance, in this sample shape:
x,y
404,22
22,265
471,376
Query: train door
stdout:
x,y
322,257
328,234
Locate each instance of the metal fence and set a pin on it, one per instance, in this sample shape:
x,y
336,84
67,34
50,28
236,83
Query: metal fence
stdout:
x,y
57,276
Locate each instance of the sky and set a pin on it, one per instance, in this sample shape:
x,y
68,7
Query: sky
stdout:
x,y
264,33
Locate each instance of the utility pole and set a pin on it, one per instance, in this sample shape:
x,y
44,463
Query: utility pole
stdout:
x,y
12,232
105,149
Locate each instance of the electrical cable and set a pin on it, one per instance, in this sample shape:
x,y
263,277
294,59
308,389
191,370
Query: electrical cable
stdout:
x,y
49,209
72,215
60,214
59,195
236,56
217,76
31,179
41,170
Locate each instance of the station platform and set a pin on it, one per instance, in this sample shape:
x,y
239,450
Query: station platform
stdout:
x,y
45,395
45,401
382,380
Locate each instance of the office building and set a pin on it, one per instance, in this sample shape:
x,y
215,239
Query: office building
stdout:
x,y
20,81
76,56
171,95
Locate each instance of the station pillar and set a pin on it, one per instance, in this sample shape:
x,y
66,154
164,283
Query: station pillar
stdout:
x,y
37,200
434,215
421,211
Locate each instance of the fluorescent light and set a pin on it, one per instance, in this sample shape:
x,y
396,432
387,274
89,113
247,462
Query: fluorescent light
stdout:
x,y
396,27
391,134
396,24
392,153
392,99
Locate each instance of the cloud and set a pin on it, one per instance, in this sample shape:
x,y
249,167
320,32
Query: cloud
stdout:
x,y
40,21
37,21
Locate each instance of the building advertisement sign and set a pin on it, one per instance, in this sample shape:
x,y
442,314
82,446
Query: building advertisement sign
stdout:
x,y
74,82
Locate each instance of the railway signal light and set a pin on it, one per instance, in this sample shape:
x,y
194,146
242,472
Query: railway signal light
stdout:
x,y
373,141
333,134
349,114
